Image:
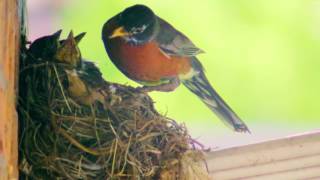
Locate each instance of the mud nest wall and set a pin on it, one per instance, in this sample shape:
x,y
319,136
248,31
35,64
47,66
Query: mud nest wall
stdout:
x,y
76,125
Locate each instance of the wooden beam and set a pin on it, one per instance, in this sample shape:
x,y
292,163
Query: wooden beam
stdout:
x,y
296,157
9,51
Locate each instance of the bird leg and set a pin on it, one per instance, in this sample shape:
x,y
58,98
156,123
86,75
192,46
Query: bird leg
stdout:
x,y
167,87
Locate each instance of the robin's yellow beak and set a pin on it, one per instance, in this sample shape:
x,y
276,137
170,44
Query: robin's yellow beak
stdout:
x,y
119,32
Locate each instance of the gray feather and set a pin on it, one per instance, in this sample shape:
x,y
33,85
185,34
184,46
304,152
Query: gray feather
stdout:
x,y
173,42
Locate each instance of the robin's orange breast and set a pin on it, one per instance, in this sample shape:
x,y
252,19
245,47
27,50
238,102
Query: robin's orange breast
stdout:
x,y
147,62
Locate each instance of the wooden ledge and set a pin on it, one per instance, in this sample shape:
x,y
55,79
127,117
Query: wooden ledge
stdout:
x,y
295,157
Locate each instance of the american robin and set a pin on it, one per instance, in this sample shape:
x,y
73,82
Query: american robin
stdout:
x,y
150,51
84,78
45,47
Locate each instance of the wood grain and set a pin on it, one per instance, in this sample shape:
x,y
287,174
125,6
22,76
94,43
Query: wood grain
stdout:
x,y
295,157
9,49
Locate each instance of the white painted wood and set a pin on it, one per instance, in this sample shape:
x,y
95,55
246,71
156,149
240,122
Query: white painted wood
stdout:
x,y
295,157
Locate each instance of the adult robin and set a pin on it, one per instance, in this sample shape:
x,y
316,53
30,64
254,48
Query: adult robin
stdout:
x,y
150,51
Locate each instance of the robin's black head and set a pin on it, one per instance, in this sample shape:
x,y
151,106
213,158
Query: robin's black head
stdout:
x,y
136,24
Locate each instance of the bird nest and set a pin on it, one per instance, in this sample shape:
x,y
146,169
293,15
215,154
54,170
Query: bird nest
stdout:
x,y
75,125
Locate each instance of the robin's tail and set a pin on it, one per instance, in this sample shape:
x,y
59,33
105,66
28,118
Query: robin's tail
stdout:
x,y
200,86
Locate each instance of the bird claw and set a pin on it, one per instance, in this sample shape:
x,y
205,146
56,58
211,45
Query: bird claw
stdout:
x,y
145,89
168,87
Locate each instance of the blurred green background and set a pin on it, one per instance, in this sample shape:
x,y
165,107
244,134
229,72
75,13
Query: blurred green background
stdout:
x,y
263,57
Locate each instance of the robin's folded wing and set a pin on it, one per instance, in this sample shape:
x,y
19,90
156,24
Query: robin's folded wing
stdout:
x,y
173,42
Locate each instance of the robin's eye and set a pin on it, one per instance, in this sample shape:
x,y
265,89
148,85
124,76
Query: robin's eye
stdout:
x,y
137,30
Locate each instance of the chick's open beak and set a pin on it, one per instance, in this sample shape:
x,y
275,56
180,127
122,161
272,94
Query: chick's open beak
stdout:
x,y
119,32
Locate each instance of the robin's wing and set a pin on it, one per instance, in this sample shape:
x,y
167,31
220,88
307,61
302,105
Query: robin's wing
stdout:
x,y
173,42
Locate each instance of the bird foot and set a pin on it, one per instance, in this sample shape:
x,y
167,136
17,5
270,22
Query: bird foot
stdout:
x,y
172,85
